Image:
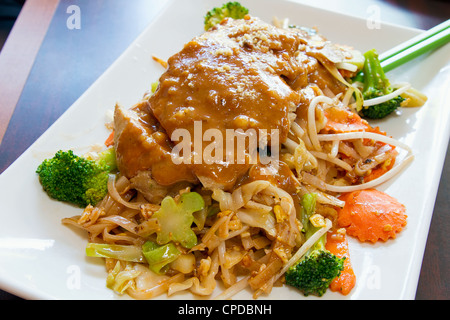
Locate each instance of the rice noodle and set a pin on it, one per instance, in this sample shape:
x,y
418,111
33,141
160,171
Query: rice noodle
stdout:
x,y
290,145
312,129
256,205
213,229
226,275
121,221
347,66
156,290
322,197
363,135
362,149
347,150
297,129
334,149
116,196
234,289
373,183
314,181
336,161
347,97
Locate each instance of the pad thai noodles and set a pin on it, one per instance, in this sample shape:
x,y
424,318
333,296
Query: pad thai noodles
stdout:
x,y
215,228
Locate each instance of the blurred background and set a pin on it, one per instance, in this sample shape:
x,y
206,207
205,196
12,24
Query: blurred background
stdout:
x,y
9,10
414,13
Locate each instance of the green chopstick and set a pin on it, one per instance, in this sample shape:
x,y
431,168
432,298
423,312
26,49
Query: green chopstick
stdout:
x,y
413,41
427,41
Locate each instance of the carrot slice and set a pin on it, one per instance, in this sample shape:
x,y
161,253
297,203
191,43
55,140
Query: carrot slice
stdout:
x,y
341,120
337,244
371,215
110,140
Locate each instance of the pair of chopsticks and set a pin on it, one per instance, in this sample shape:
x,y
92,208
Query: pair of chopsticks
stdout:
x,y
424,42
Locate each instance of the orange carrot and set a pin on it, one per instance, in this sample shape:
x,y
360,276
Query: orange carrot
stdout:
x,y
337,244
110,140
375,130
371,215
378,143
379,171
341,120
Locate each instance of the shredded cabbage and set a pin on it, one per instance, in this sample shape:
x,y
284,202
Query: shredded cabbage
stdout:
x,y
259,219
120,281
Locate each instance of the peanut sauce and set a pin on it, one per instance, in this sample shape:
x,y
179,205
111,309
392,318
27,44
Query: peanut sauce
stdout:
x,y
242,74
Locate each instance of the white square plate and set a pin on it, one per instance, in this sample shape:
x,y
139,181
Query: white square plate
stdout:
x,y
42,259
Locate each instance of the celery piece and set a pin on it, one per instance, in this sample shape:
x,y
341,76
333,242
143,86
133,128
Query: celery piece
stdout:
x,y
121,252
175,219
308,209
158,257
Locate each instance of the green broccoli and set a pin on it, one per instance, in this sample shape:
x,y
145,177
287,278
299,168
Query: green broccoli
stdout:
x,y
318,267
77,180
232,10
376,84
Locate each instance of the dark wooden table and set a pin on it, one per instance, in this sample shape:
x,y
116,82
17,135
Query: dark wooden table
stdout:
x,y
45,66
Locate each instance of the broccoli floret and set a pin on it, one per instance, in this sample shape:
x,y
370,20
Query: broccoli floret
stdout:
x,y
314,273
77,180
318,267
376,84
382,110
232,10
